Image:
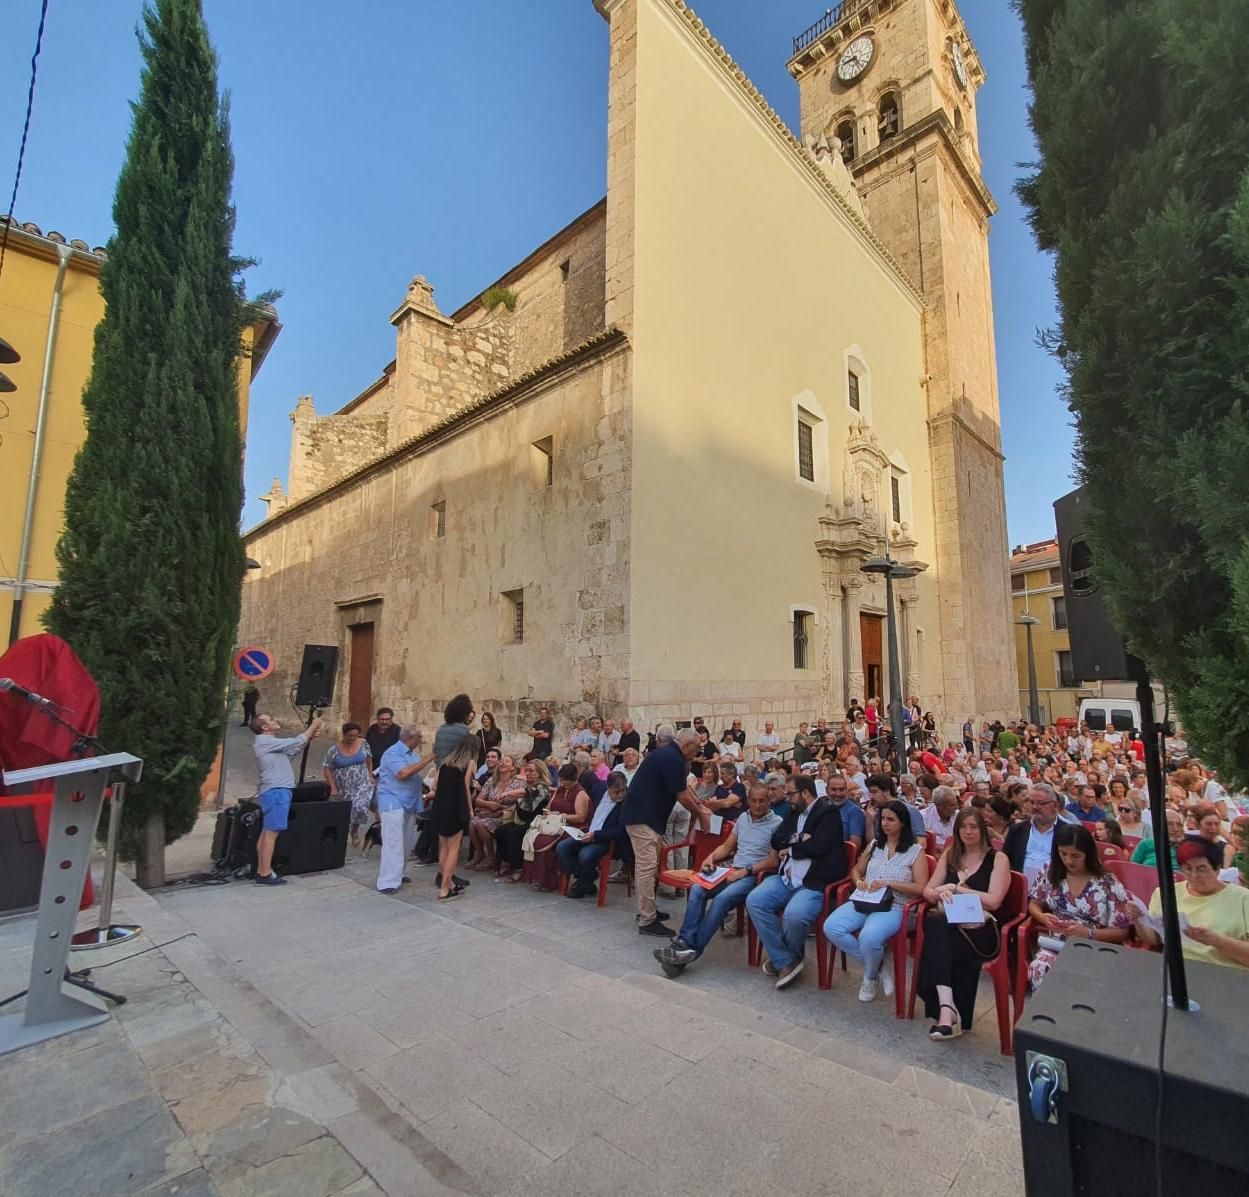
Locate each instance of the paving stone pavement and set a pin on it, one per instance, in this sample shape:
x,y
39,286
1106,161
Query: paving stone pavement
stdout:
x,y
322,1039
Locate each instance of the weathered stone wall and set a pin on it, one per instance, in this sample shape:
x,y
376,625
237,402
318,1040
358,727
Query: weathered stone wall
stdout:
x,y
325,448
440,621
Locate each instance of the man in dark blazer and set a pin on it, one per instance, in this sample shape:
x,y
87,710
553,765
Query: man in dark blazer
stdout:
x,y
812,851
606,830
1029,845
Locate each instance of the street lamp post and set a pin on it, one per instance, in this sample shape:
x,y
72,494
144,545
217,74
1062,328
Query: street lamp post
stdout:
x,y
1034,703
892,570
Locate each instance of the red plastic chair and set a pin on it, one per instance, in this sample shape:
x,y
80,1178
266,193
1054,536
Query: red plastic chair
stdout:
x,y
1013,924
1138,879
754,951
1132,842
604,870
701,844
1109,852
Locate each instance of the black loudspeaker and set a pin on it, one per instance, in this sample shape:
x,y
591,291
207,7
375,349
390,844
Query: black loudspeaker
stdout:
x,y
315,838
1095,1025
1097,650
311,791
234,838
316,676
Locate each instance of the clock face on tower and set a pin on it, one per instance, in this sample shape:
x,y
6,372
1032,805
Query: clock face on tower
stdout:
x,y
960,64
855,59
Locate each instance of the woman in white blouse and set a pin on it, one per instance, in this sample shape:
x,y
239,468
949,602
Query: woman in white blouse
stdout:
x,y
895,867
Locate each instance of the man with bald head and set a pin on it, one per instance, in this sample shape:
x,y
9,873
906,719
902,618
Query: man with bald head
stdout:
x,y
661,781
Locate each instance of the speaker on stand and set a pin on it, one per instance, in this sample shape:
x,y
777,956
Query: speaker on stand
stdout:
x,y
315,687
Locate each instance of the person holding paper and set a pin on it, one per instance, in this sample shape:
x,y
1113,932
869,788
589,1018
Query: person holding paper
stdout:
x,y
571,801
1075,898
1217,913
580,854
949,967
894,870
811,854
749,849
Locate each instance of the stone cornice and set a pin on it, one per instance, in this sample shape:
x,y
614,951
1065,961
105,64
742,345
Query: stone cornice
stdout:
x,y
801,160
514,391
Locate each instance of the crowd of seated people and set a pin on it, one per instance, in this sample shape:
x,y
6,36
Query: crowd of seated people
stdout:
x,y
789,819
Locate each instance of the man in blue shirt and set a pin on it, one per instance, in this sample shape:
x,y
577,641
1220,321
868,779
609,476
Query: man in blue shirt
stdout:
x,y
400,798
1085,807
749,848
275,786
662,780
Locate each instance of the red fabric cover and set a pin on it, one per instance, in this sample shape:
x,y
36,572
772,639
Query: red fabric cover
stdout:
x,y
48,666
42,804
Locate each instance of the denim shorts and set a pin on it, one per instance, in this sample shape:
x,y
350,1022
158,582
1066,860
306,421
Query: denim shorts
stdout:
x,y
275,805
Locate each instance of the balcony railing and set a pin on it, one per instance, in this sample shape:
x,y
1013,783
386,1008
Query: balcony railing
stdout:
x,y
831,17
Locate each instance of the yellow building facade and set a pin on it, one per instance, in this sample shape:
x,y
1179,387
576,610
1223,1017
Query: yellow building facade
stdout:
x,y
1036,585
50,303
647,485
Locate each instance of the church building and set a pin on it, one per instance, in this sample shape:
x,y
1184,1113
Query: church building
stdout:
x,y
640,474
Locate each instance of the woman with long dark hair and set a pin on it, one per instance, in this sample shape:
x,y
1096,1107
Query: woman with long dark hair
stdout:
x,y
453,811
489,735
1075,898
895,867
949,968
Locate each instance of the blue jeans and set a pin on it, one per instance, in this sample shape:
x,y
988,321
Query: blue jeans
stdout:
x,y
702,921
581,860
799,908
863,936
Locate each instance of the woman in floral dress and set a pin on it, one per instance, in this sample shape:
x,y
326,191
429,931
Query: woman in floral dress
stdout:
x,y
1075,898
349,774
497,798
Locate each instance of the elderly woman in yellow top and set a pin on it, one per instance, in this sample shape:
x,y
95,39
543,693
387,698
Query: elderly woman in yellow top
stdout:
x,y
1218,914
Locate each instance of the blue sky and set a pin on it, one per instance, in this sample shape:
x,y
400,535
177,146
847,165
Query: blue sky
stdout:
x,y
378,140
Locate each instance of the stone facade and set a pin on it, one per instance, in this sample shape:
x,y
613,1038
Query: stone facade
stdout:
x,y
720,392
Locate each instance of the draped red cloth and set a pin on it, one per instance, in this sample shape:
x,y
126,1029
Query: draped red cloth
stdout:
x,y
48,666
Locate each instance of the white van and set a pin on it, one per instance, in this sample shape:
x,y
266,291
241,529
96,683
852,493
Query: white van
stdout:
x,y
1118,714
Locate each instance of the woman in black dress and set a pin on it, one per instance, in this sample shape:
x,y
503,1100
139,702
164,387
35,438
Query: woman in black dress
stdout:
x,y
452,811
489,735
949,968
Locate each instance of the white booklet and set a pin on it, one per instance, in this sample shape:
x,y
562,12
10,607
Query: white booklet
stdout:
x,y
717,823
964,910
874,897
575,833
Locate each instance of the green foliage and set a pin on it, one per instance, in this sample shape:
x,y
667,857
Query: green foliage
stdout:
x,y
492,297
1141,113
150,559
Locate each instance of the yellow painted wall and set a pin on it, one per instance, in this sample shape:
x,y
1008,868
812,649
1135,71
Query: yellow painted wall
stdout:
x,y
26,288
740,254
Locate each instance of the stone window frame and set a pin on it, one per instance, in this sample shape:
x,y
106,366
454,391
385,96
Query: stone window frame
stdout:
x,y
854,360
512,616
892,89
542,462
900,472
839,122
812,621
438,519
806,409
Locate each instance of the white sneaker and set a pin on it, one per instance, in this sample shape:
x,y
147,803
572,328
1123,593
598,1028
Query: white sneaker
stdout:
x,y
867,991
886,975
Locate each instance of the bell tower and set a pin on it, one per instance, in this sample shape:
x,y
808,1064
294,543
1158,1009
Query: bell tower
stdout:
x,y
896,81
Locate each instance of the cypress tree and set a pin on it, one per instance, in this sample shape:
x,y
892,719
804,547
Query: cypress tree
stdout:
x,y
1141,113
150,560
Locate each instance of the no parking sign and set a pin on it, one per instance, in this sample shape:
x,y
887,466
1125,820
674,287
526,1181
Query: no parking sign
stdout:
x,y
253,663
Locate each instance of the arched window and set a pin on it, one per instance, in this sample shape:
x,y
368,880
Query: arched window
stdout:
x,y
845,133
958,122
890,119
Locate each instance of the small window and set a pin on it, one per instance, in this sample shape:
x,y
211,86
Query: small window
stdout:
x,y
1060,612
513,617
890,120
1056,576
1066,676
1122,720
565,268
806,451
1017,583
852,391
802,638
895,496
958,122
542,462
845,134
438,520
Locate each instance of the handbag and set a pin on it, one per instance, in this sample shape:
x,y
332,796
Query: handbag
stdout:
x,y
886,903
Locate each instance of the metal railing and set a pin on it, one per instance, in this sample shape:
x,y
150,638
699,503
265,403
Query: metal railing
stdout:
x,y
831,17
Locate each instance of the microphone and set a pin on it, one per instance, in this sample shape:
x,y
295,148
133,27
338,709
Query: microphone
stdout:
x,y
38,700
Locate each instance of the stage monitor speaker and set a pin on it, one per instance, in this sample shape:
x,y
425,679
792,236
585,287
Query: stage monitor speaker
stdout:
x,y
1095,1025
315,838
311,791
316,676
1097,650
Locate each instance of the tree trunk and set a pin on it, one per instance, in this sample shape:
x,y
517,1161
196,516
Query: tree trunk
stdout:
x,y
150,867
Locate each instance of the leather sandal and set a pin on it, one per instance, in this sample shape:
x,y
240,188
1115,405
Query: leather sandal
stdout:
x,y
941,1034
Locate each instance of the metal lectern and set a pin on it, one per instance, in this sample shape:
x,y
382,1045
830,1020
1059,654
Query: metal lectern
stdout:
x,y
50,1009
